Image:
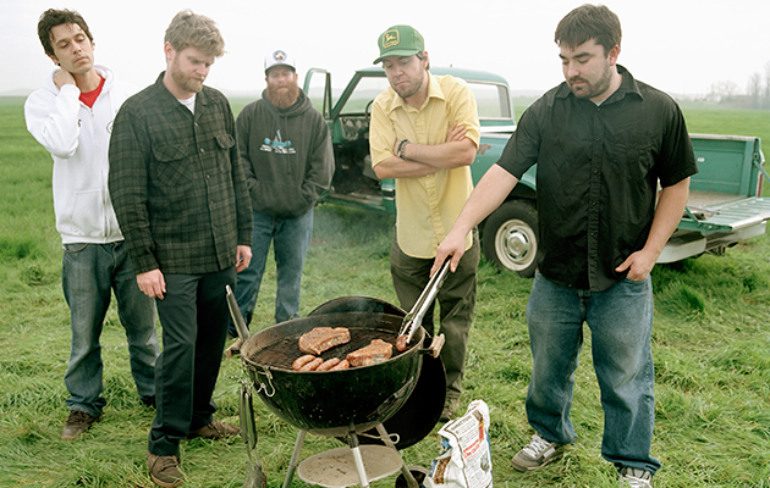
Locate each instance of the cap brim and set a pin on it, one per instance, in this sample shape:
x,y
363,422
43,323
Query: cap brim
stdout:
x,y
279,64
397,52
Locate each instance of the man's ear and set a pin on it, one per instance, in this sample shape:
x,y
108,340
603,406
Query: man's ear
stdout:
x,y
54,59
169,51
614,53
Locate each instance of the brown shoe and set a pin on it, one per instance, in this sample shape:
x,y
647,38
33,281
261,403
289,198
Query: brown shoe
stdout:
x,y
77,423
164,470
234,349
215,430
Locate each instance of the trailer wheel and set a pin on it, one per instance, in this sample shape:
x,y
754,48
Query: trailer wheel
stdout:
x,y
509,237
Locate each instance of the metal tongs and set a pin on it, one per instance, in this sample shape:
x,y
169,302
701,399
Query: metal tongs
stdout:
x,y
413,319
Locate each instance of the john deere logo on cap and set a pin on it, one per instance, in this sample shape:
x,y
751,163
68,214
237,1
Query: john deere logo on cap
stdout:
x,y
390,38
279,56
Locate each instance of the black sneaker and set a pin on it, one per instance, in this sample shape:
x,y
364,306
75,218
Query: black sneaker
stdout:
x,y
77,423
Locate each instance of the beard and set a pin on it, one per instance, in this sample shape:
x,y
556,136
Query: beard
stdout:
x,y
283,97
410,88
184,81
591,90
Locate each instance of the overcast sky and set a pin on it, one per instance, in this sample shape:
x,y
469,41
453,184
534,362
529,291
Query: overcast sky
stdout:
x,y
680,46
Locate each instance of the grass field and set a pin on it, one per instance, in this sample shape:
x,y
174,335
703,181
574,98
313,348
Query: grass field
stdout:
x,y
711,348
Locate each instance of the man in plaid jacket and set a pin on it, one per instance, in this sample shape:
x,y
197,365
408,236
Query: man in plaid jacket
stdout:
x,y
180,197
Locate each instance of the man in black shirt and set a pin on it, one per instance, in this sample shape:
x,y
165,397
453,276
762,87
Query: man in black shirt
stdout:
x,y
602,142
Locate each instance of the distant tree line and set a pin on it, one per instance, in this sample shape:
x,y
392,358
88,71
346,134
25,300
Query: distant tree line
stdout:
x,y
757,94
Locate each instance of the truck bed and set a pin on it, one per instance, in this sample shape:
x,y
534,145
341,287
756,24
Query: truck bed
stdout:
x,y
723,207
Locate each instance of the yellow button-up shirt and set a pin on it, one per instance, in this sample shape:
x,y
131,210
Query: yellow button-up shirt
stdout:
x,y
426,206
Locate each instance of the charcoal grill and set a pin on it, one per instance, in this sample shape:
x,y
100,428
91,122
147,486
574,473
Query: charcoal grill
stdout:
x,y
343,404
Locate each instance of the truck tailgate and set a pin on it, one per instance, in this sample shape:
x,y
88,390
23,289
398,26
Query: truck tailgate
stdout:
x,y
726,216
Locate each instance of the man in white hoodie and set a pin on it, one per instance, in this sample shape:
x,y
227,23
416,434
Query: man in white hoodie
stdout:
x,y
72,118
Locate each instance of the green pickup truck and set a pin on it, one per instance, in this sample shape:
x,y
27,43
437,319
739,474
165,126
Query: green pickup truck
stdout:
x,y
725,206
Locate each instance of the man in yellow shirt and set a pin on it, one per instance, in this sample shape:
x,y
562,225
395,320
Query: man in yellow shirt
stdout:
x,y
424,133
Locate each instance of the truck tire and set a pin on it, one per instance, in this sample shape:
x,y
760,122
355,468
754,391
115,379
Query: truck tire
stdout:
x,y
509,237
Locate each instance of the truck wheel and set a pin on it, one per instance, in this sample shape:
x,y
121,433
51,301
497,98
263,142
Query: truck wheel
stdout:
x,y
509,237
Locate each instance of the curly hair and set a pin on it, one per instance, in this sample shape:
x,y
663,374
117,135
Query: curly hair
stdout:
x,y
53,17
589,22
188,29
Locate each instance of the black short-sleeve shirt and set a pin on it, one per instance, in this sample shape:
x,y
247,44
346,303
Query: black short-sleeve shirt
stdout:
x,y
598,167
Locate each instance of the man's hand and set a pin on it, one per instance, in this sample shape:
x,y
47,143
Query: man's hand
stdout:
x,y
242,258
638,264
61,78
152,283
453,245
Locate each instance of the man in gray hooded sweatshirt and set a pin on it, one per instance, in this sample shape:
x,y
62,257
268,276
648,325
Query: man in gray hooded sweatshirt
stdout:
x,y
288,160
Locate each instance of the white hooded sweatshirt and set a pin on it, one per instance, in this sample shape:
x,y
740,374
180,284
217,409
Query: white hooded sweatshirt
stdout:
x,y
78,138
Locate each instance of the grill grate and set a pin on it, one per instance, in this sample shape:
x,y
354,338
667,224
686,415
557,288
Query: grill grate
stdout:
x,y
282,353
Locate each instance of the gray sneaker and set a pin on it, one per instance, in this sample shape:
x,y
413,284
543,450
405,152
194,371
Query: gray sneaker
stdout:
x,y
635,478
536,454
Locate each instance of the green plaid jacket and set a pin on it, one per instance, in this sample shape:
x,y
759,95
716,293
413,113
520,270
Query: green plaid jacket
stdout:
x,y
176,182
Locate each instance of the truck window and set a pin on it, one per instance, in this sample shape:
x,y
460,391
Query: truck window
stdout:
x,y
315,83
364,92
493,100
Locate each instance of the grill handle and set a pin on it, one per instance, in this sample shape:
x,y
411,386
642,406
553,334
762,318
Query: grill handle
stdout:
x,y
235,314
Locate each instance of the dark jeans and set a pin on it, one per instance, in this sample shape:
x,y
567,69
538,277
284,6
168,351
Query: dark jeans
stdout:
x,y
90,273
456,298
194,317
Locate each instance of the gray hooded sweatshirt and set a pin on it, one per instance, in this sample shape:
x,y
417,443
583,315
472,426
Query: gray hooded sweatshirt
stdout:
x,y
287,156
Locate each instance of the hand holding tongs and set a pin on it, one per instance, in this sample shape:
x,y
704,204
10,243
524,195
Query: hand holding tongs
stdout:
x,y
413,319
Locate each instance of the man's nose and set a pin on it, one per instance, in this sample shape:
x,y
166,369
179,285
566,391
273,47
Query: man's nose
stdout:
x,y
572,70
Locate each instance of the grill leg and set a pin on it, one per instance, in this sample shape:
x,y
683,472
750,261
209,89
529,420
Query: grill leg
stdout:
x,y
408,476
294,458
359,460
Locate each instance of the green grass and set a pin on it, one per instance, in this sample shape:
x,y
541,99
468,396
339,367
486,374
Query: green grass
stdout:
x,y
711,348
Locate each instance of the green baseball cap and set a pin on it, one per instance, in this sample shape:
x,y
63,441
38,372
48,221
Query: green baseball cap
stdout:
x,y
399,40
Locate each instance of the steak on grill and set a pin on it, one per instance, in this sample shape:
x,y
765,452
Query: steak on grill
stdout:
x,y
321,339
378,351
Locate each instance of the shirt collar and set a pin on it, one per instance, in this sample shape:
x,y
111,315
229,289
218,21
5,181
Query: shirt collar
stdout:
x,y
628,86
434,91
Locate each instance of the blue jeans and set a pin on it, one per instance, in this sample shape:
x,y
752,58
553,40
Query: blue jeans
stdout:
x,y
89,273
193,314
291,239
620,319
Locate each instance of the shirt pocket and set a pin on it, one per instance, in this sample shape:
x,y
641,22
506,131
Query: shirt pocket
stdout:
x,y
224,143
173,168
630,150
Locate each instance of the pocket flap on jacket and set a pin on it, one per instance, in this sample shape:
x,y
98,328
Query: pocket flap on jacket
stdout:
x,y
170,152
225,141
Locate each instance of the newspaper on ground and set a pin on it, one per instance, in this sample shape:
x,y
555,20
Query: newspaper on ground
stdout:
x,y
465,460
